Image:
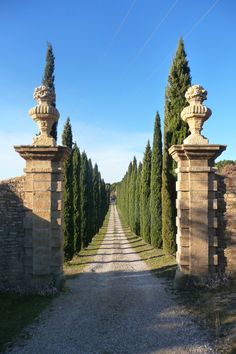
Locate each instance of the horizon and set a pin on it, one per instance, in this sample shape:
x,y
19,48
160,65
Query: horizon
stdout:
x,y
112,61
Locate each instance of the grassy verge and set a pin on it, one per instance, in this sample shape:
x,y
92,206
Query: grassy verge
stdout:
x,y
213,309
17,312
161,265
78,263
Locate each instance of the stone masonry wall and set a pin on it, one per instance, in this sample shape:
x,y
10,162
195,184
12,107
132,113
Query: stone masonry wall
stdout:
x,y
230,230
11,232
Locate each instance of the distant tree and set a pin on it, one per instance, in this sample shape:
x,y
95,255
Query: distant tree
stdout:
x,y
129,177
67,138
156,183
84,201
137,199
132,192
69,243
221,164
175,131
48,79
96,197
145,194
91,228
76,198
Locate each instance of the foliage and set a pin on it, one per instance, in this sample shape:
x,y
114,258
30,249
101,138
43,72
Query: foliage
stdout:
x,y
156,183
226,167
175,131
69,241
137,200
76,198
48,79
84,188
67,138
145,195
132,191
86,198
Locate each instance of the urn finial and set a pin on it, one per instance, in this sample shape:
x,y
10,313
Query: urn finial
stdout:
x,y
195,115
45,115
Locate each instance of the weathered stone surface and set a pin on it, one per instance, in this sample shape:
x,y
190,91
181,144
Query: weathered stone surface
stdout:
x,y
197,194
12,234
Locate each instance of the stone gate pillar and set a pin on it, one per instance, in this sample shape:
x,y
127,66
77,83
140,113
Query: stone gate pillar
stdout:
x,y
197,237
43,189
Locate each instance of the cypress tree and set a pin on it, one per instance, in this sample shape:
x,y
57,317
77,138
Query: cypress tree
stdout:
x,y
175,131
96,197
48,79
137,199
69,242
155,198
84,200
129,192
91,230
76,197
145,194
132,190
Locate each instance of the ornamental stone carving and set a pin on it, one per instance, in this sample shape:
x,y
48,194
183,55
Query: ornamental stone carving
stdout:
x,y
195,115
45,115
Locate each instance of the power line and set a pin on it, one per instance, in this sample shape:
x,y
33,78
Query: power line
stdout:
x,y
119,28
201,19
197,23
156,29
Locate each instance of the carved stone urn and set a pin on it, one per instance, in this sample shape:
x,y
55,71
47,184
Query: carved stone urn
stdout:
x,y
195,115
45,115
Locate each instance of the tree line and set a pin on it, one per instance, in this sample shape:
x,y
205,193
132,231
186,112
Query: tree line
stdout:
x,y
86,196
146,195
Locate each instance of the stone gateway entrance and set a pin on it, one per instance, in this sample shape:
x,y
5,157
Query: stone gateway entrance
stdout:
x,y
31,206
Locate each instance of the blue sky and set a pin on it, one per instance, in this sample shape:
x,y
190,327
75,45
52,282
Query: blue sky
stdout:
x,y
112,63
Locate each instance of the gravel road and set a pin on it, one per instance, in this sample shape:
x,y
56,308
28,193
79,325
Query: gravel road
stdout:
x,y
115,306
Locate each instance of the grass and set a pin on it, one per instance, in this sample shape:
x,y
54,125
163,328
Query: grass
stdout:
x,y
78,263
213,309
158,263
18,311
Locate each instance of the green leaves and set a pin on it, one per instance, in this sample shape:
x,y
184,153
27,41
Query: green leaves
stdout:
x,y
175,131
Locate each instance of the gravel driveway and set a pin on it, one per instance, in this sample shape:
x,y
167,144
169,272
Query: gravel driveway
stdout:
x,y
115,306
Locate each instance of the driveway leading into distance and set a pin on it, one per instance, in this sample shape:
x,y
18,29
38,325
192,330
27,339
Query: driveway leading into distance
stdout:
x,y
115,306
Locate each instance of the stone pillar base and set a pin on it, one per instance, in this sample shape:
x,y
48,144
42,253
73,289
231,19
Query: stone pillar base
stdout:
x,y
43,189
196,186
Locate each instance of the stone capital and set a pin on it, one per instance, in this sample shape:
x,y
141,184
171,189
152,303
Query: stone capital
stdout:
x,y
196,152
48,153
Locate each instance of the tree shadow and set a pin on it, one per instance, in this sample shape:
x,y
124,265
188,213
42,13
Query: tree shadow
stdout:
x,y
132,311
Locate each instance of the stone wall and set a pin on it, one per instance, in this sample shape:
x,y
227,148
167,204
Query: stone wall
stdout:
x,y
11,232
230,225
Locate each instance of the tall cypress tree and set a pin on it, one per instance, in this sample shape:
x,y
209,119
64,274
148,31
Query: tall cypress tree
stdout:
x,y
129,192
175,131
155,198
76,198
91,229
96,197
137,199
145,194
48,79
84,200
69,242
132,190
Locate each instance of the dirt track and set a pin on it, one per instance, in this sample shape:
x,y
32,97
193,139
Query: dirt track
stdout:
x,y
115,306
